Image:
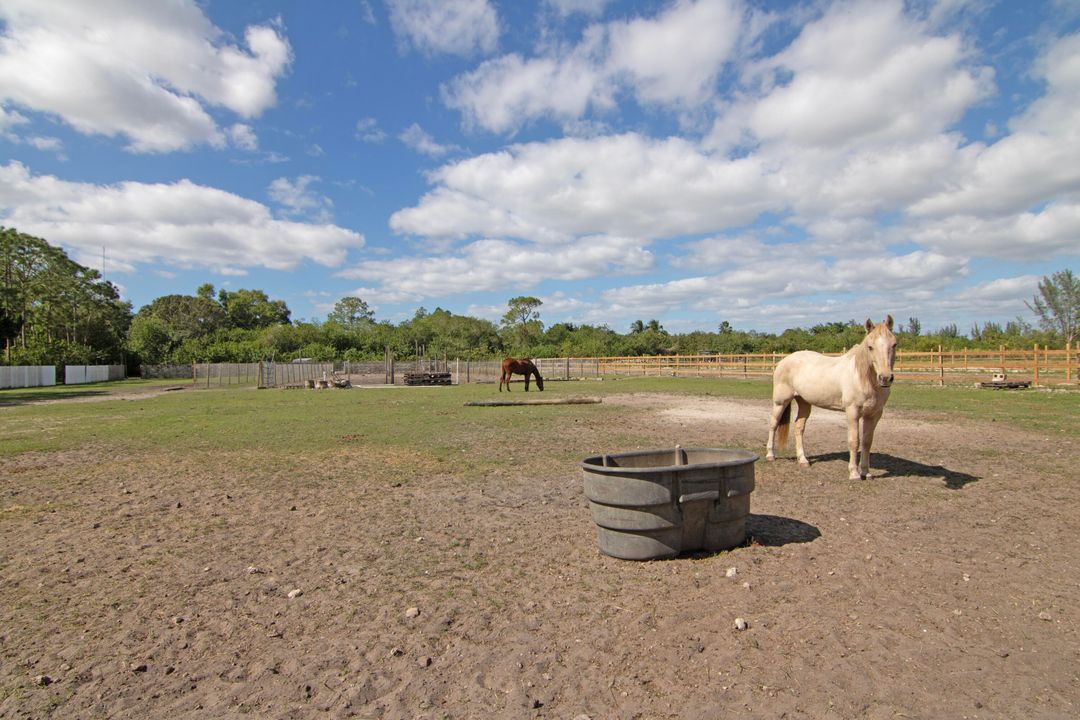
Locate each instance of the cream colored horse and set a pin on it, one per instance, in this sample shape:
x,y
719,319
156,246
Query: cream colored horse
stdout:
x,y
856,383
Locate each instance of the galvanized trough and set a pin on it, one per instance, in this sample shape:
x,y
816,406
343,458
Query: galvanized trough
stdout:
x,y
653,504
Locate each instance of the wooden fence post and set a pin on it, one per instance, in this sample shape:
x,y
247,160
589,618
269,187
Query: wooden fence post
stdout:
x,y
941,365
1036,364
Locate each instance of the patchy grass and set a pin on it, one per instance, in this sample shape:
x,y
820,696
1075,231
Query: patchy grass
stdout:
x,y
431,421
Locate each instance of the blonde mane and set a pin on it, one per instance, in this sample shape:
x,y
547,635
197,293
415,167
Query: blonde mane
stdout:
x,y
864,366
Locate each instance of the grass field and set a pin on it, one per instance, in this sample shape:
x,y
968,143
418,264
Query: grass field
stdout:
x,y
423,419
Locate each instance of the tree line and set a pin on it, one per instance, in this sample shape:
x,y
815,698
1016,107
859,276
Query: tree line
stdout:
x,y
55,311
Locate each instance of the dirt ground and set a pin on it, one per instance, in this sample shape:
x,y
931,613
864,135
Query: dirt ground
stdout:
x,y
157,585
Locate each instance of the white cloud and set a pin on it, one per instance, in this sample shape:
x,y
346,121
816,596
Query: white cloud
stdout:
x,y
367,130
1038,160
145,71
243,137
498,264
422,142
452,27
1021,236
675,57
864,72
586,7
180,224
505,92
297,199
625,185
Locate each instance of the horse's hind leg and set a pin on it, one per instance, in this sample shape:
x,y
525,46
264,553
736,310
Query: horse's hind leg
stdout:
x,y
800,426
778,420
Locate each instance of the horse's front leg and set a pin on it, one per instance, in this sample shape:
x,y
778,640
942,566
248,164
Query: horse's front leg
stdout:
x,y
853,443
869,424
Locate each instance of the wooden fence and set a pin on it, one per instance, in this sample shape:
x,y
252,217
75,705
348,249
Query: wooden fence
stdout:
x,y
1039,365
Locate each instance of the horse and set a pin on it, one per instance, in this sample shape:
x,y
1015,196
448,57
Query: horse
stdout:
x,y
857,383
513,366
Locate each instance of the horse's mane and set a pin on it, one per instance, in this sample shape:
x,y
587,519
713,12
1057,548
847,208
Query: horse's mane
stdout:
x,y
864,367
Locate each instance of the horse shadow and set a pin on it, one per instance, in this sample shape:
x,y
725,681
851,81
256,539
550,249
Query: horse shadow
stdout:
x,y
902,467
775,530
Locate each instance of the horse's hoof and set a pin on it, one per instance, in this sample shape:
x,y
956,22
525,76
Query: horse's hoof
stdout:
x,y
770,458
804,463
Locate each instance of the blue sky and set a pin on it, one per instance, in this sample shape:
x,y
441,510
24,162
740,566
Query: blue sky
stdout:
x,y
771,164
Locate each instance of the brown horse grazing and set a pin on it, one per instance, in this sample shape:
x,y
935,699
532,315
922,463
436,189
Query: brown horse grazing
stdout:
x,y
856,383
513,366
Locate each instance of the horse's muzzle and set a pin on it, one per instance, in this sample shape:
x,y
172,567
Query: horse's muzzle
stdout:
x,y
885,380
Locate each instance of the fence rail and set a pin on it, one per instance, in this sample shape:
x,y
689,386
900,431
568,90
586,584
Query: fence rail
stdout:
x,y
1039,365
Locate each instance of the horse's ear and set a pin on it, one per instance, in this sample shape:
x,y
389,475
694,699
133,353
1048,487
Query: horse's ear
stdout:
x,y
869,325
888,322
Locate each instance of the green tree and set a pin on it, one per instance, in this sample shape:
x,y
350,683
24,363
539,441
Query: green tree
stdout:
x,y
352,312
252,309
1058,304
522,321
54,310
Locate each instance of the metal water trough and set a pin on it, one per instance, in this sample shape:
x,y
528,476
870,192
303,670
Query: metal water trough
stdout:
x,y
654,504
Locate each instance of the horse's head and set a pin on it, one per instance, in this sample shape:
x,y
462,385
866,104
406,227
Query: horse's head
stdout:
x,y
539,382
881,344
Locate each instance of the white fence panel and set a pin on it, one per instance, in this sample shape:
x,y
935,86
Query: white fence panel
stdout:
x,y
82,374
24,376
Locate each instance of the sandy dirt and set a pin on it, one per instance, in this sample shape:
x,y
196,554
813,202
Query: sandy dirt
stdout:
x,y
947,585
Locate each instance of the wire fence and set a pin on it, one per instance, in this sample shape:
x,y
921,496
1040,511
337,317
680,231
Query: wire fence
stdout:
x,y
1040,366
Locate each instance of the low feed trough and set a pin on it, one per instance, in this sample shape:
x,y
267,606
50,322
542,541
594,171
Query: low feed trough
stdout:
x,y
654,504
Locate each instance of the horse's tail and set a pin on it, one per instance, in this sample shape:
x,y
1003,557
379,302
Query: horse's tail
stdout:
x,y
783,425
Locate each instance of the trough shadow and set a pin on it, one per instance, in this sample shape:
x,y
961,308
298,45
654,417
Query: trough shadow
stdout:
x,y
774,530
902,467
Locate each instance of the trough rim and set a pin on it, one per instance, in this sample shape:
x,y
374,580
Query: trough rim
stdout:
x,y
595,463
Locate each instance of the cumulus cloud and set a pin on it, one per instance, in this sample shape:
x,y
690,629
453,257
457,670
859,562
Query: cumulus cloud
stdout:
x,y
676,56
626,185
367,130
673,58
451,27
569,7
1038,159
422,142
297,199
864,72
144,71
492,264
243,137
178,224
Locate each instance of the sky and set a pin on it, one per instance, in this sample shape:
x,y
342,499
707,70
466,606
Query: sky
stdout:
x,y
767,164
